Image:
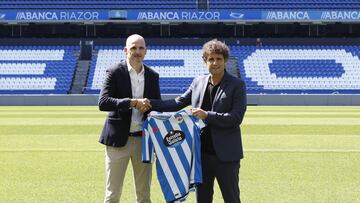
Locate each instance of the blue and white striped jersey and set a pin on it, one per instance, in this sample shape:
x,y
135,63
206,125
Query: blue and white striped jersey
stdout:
x,y
175,139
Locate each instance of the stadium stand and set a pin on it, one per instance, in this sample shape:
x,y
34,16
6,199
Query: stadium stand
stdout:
x,y
270,69
308,46
104,4
177,66
298,69
283,4
174,4
36,69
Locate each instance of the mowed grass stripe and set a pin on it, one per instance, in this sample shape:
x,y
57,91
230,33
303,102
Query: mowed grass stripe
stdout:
x,y
279,160
26,136
47,115
298,150
270,130
260,142
51,108
8,130
249,111
247,120
66,144
250,108
291,142
52,150
52,112
304,108
249,115
52,121
300,177
310,113
269,116
301,121
52,177
246,129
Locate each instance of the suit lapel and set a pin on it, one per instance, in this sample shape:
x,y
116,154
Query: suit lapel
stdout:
x,y
203,90
146,83
220,90
127,81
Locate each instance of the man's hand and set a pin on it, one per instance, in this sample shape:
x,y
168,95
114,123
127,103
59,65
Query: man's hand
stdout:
x,y
143,105
199,113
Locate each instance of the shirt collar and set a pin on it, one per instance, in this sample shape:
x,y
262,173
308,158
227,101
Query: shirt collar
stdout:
x,y
209,82
130,68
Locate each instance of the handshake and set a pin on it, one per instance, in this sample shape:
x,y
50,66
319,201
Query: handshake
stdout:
x,y
141,105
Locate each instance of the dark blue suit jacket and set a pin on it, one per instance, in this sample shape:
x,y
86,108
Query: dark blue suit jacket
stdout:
x,y
225,117
115,97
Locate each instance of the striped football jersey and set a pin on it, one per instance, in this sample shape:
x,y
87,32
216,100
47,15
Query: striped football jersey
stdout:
x,y
175,139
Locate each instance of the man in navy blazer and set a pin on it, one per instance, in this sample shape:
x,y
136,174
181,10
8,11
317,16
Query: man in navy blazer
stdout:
x,y
220,100
123,92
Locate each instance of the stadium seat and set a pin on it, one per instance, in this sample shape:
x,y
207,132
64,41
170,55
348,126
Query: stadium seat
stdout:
x,y
36,69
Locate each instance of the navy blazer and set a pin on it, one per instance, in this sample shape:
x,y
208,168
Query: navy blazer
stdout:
x,y
115,97
225,116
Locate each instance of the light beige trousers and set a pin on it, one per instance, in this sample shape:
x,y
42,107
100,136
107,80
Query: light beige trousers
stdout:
x,y
116,162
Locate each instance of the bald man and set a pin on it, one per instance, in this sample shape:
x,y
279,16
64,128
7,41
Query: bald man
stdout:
x,y
122,95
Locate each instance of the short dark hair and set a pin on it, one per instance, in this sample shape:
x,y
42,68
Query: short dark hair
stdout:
x,y
217,47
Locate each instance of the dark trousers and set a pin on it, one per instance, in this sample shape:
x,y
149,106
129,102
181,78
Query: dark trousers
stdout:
x,y
227,176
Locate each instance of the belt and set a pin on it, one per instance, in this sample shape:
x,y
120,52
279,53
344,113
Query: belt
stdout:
x,y
135,134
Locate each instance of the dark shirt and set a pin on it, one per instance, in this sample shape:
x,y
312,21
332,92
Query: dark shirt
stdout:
x,y
207,146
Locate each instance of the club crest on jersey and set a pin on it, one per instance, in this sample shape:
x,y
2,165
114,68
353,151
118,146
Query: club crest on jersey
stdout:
x,y
179,118
174,138
155,130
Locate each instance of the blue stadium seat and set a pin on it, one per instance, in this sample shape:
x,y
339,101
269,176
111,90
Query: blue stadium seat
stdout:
x,y
36,69
282,4
279,69
99,4
299,69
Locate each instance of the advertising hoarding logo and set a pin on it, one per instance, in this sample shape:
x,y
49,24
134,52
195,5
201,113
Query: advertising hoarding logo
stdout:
x,y
236,15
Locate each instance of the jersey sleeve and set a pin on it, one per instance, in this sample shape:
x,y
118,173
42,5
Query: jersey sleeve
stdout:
x,y
147,144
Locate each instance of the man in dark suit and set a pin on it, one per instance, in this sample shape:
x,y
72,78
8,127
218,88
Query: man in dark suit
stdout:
x,y
220,100
123,92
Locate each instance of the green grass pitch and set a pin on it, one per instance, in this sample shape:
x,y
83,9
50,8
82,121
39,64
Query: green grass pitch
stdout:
x,y
292,154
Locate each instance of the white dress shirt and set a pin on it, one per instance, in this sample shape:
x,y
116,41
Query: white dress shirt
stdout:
x,y
137,89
